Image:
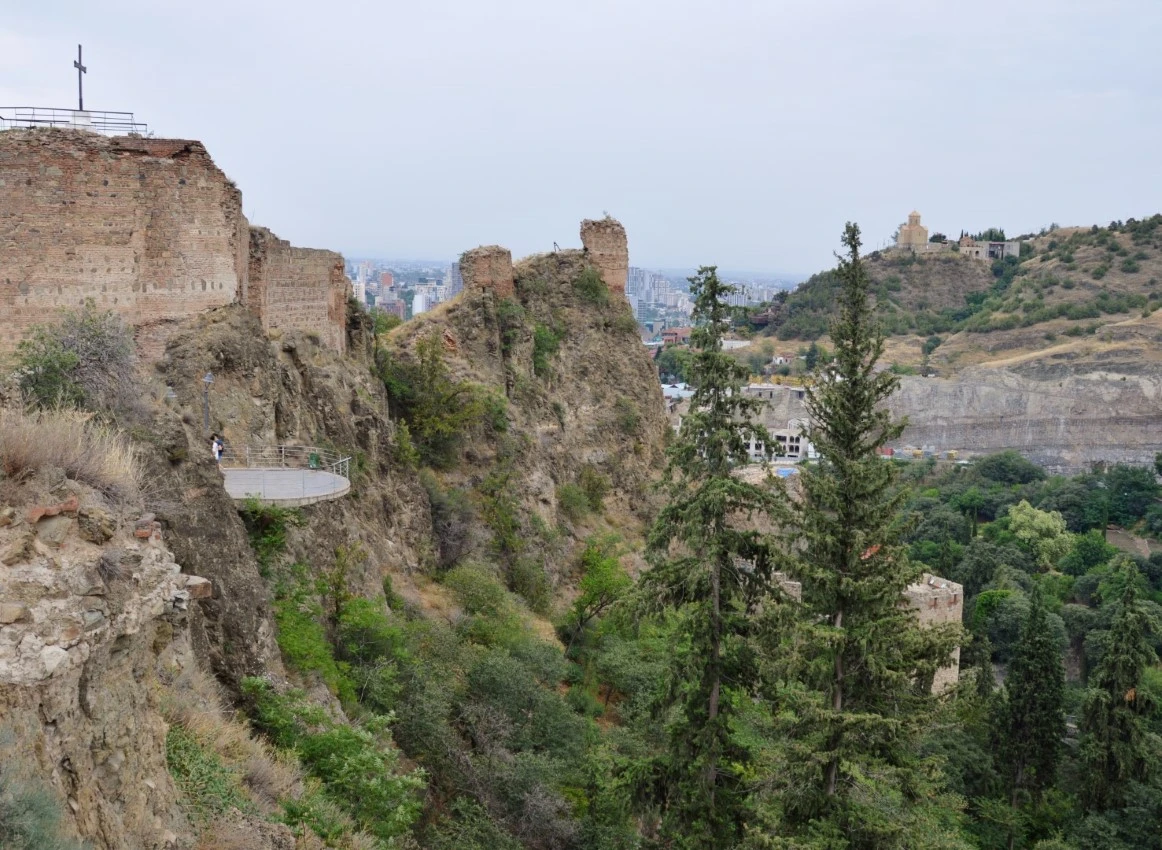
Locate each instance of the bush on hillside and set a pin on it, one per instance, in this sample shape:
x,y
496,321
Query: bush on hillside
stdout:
x,y
30,814
86,359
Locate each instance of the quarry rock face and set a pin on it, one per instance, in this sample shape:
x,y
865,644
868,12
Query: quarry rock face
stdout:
x,y
608,251
151,229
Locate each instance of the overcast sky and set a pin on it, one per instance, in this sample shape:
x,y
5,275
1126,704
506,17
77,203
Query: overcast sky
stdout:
x,y
738,133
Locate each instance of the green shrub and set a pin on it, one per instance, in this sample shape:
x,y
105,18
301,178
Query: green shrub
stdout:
x,y
438,410
1099,271
30,814
1129,266
595,485
627,416
302,640
478,591
590,287
527,579
469,828
572,502
266,526
510,316
358,766
87,358
453,518
498,509
207,786
582,701
546,341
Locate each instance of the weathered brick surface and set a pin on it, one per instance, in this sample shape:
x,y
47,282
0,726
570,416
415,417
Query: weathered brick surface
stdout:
x,y
608,250
149,228
488,267
296,288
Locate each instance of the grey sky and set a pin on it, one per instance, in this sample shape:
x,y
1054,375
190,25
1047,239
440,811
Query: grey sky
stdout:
x,y
736,133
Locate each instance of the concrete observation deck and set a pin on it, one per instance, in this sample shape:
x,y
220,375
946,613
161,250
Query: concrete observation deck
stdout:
x,y
286,476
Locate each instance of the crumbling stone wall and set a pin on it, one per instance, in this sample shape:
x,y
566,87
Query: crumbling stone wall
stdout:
x,y
488,268
608,250
296,288
938,601
148,228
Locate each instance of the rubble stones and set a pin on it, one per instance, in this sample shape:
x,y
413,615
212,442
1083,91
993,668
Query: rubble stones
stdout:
x,y
53,530
95,525
11,612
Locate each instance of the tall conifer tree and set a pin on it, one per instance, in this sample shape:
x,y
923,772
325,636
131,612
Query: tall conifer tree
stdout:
x,y
850,679
1030,724
709,570
1117,746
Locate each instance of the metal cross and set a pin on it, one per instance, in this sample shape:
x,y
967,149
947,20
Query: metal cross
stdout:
x,y
81,69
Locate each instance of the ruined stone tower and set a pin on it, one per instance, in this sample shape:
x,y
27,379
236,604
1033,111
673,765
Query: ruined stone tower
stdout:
x,y
487,268
608,250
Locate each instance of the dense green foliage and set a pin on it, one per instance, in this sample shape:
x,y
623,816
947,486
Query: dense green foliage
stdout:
x,y
438,410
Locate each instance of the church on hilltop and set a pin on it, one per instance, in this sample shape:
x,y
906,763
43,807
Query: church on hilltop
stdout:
x,y
913,237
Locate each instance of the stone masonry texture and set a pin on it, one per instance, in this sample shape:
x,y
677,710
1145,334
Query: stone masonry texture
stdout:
x,y
296,288
938,601
608,250
151,229
488,268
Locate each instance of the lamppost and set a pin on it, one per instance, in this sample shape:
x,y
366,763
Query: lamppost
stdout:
x,y
206,381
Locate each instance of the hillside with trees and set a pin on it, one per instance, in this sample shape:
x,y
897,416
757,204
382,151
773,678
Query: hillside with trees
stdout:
x,y
1064,292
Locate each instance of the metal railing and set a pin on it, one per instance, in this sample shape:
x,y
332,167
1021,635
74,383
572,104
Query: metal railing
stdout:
x,y
94,120
288,457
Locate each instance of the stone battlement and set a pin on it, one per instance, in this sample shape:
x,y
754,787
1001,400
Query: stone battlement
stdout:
x,y
151,229
938,601
489,267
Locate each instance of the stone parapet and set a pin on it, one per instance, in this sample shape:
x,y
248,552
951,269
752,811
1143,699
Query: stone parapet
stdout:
x,y
488,268
608,250
293,288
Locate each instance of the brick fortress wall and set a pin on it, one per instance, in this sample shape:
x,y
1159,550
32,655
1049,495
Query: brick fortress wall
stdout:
x,y
488,267
296,288
148,228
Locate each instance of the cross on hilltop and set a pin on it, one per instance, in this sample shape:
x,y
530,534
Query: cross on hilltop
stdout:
x,y
81,69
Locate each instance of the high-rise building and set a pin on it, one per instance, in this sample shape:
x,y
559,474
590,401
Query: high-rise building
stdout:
x,y
455,280
386,280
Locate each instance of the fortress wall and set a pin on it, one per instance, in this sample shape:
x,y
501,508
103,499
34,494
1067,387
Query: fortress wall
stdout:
x,y
148,228
608,250
302,289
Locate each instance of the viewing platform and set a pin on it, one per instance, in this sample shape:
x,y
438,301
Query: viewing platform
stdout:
x,y
286,476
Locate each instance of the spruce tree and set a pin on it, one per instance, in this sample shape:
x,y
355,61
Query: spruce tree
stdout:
x,y
709,570
1117,746
850,679
1031,716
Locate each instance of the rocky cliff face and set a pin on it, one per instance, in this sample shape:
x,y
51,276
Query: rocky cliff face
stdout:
x,y
94,621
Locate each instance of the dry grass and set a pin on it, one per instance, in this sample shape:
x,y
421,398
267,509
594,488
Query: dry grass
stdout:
x,y
195,703
86,450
